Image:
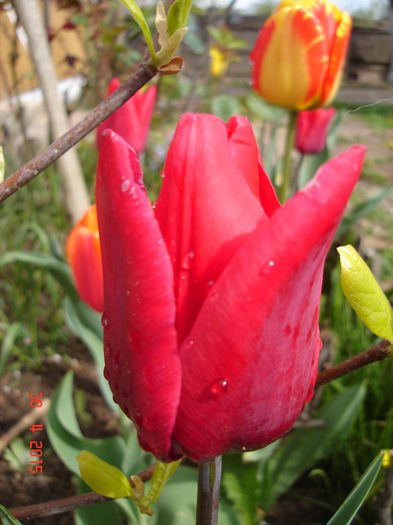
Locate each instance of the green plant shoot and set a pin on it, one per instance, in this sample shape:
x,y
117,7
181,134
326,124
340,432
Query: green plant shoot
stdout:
x,y
171,28
364,293
140,19
103,478
162,473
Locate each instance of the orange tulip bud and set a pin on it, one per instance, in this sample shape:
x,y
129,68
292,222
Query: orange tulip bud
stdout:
x,y
84,255
299,54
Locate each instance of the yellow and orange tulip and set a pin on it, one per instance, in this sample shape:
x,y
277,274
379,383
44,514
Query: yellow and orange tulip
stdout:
x,y
299,55
84,256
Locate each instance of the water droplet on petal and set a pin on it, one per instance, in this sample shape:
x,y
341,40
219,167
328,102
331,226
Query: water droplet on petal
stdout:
x,y
125,185
160,242
104,321
219,387
128,293
186,260
271,263
133,192
244,448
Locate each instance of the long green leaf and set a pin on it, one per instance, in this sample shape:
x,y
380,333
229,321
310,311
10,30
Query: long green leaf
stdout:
x,y
7,518
140,19
95,346
304,447
66,438
62,272
354,501
362,210
13,332
178,14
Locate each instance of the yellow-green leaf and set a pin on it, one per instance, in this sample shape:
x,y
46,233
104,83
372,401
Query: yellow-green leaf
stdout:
x,y
162,473
178,14
364,293
165,55
140,19
161,22
2,165
103,478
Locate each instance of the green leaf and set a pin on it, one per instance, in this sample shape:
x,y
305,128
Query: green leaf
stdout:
x,y
175,510
140,19
95,346
263,110
165,55
225,106
362,210
65,435
103,478
100,513
62,272
351,505
161,22
241,486
7,518
178,15
14,330
162,473
301,449
364,293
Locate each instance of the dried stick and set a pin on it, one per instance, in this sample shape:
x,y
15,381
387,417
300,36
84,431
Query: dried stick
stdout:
x,y
377,352
55,150
58,506
24,423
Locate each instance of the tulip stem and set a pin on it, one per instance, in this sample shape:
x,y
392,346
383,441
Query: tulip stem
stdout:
x,y
286,170
209,478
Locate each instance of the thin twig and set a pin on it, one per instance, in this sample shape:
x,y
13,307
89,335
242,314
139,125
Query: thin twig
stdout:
x,y
377,352
58,506
24,423
55,150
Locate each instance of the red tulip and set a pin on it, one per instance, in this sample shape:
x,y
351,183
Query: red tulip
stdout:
x,y
211,300
132,120
300,52
84,255
311,130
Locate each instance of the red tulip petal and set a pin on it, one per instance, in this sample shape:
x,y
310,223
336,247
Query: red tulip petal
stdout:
x,y
141,354
84,256
311,130
249,363
267,195
205,211
132,120
244,151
